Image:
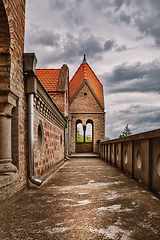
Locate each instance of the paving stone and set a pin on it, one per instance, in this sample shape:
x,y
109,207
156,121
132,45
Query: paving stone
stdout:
x,y
85,199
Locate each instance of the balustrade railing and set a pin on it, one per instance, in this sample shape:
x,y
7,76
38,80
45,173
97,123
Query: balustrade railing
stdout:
x,y
137,155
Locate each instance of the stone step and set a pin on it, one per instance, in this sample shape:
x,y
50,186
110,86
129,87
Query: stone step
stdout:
x,y
84,155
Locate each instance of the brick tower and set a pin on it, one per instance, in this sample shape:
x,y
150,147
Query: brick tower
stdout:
x,y
86,108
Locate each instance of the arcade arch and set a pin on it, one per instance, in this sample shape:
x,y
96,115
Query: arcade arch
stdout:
x,y
84,136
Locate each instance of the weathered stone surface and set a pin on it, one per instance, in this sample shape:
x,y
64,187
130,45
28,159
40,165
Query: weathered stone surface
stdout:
x,y
138,155
85,199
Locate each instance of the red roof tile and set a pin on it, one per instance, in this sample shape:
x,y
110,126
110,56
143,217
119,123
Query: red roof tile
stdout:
x,y
49,78
85,72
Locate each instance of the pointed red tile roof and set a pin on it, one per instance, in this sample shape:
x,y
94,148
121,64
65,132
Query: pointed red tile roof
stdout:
x,y
85,72
49,78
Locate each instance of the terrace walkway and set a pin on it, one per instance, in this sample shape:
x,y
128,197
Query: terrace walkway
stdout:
x,y
85,199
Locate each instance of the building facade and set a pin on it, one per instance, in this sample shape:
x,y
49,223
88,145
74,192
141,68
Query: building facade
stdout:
x,y
39,109
32,126
86,107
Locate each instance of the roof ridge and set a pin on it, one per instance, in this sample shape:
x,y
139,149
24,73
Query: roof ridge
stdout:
x,y
48,68
84,71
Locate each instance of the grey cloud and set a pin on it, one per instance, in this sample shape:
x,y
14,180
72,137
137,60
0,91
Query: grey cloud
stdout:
x,y
146,116
119,3
108,45
72,16
149,27
101,5
125,18
142,114
73,47
137,77
90,46
121,48
140,14
58,5
40,36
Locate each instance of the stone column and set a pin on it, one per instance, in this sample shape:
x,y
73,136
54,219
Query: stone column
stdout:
x,y
84,135
7,102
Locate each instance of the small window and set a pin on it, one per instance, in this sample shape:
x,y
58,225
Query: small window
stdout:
x,y
40,136
85,94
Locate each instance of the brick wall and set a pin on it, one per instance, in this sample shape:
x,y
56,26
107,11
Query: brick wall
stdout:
x,y
86,108
13,94
12,23
59,99
50,151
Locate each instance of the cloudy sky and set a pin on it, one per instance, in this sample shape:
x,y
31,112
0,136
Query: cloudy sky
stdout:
x,y
121,40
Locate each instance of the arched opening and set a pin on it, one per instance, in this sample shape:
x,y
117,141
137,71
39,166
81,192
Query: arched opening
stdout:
x,y
5,61
84,136
89,131
80,137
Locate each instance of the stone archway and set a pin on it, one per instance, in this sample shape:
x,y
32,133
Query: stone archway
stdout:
x,y
84,136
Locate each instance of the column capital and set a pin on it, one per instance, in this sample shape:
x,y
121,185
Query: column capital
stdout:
x,y
8,97
7,102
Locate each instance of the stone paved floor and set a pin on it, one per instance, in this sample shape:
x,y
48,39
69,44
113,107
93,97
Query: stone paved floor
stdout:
x,y
85,199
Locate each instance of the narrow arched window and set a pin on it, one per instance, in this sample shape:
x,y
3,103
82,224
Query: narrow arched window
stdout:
x,y
79,129
88,137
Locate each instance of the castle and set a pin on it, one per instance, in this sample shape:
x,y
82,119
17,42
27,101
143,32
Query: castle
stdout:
x,y
40,109
44,117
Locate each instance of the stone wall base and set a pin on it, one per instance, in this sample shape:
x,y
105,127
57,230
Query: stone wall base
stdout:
x,y
84,147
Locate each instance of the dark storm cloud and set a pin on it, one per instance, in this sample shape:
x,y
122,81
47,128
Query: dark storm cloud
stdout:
x,y
142,113
43,37
149,27
136,77
125,18
73,47
145,15
109,44
140,14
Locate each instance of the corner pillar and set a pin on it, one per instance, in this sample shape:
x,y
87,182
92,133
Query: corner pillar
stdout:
x,y
7,102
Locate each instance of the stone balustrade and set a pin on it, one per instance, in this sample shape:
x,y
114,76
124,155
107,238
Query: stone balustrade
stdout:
x,y
138,155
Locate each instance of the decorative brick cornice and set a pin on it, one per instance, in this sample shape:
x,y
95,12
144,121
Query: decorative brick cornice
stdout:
x,y
48,111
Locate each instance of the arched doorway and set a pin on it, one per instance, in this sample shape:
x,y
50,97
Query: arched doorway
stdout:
x,y
84,136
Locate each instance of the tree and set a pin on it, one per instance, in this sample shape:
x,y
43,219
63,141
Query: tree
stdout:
x,y
88,138
126,132
79,136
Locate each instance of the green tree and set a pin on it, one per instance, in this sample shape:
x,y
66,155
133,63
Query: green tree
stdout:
x,y
88,138
79,136
126,132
